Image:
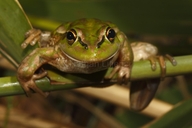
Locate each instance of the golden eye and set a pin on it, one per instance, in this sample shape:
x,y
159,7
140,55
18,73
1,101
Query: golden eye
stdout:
x,y
71,36
110,34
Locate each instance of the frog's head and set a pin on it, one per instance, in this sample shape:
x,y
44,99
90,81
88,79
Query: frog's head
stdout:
x,y
90,40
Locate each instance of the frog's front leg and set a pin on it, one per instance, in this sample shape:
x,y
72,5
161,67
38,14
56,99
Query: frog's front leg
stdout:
x,y
124,62
26,71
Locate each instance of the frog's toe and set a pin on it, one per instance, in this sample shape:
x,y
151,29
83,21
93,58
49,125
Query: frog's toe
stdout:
x,y
32,36
171,59
162,66
153,63
29,32
162,63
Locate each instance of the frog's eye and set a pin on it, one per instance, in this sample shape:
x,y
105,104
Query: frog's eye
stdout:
x,y
71,36
110,34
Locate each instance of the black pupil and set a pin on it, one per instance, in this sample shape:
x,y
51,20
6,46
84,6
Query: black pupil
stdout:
x,y
70,36
111,34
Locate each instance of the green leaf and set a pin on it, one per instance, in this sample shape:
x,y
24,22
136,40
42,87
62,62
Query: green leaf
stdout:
x,y
13,26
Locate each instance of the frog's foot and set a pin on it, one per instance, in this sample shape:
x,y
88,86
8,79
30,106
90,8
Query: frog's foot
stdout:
x,y
31,85
31,37
123,73
142,92
162,63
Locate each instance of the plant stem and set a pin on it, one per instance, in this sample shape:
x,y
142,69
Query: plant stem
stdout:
x,y
141,70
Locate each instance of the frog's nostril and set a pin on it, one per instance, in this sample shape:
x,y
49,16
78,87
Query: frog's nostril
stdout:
x,y
83,44
100,42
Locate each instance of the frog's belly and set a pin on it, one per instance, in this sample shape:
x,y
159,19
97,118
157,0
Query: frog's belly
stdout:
x,y
71,66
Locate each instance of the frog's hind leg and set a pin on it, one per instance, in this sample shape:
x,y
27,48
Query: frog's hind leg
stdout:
x,y
142,92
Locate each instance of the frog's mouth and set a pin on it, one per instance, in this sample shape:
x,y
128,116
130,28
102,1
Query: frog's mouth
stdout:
x,y
92,66
111,58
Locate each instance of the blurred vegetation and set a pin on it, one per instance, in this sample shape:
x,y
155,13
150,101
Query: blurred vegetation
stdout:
x,y
140,17
166,23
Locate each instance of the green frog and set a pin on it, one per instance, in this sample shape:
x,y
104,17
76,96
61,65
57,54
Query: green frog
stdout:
x,y
83,46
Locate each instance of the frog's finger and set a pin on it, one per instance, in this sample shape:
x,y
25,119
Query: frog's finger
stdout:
x,y
26,90
39,76
113,72
37,90
142,92
34,87
30,84
124,74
